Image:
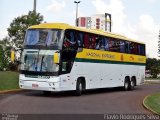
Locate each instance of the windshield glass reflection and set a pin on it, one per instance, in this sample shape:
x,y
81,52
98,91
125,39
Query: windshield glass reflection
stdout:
x,y
38,62
43,37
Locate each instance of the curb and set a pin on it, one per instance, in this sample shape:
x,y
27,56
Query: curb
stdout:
x,y
10,91
151,82
148,108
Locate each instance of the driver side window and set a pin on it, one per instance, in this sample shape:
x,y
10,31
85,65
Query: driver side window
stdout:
x,y
69,39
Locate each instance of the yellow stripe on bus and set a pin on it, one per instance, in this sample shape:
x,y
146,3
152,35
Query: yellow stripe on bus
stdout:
x,y
111,56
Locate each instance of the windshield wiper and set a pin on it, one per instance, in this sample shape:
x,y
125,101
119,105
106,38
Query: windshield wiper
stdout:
x,y
42,63
37,60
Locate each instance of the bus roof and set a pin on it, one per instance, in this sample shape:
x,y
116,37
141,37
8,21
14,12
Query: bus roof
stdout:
x,y
67,26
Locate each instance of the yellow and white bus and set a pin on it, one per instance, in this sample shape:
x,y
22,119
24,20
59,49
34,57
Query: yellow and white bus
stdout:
x,y
60,57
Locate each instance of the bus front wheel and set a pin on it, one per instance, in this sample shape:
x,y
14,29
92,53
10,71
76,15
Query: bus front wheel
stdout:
x,y
79,88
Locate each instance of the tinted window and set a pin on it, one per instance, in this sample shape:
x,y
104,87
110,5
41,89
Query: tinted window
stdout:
x,y
122,46
99,44
86,40
134,48
79,39
114,45
127,47
69,39
105,43
141,49
43,37
92,43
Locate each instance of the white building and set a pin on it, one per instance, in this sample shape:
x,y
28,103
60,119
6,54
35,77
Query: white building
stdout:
x,y
97,21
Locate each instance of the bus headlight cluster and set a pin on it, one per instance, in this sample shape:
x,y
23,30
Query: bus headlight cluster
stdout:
x,y
51,84
21,81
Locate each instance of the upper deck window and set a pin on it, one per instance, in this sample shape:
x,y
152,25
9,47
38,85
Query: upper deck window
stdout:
x,y
44,37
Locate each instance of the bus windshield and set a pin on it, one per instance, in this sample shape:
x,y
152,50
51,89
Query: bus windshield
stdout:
x,y
43,37
38,61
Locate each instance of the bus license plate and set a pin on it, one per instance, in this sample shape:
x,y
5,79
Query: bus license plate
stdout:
x,y
35,85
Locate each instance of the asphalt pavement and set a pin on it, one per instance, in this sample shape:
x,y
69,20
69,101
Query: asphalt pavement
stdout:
x,y
99,101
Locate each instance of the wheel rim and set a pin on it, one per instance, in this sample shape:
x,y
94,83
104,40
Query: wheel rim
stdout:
x,y
132,84
126,85
80,87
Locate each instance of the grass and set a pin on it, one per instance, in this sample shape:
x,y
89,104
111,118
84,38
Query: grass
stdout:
x,y
153,102
8,80
152,78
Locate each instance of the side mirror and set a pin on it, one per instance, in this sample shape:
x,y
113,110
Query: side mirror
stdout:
x,y
12,55
56,58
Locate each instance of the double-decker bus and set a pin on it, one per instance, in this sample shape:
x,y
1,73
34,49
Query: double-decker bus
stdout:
x,y
60,57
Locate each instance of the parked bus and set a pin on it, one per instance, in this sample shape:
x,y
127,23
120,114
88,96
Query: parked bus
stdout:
x,y
60,57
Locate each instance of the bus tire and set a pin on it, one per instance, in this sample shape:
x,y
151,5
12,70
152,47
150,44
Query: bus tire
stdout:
x,y
133,83
79,88
127,84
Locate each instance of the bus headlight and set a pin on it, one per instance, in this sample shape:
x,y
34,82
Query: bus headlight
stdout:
x,y
51,84
21,82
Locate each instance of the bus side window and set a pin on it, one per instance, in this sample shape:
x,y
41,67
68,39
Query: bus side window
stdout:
x,y
131,48
141,49
114,45
127,47
122,46
86,40
69,39
101,44
111,45
64,66
105,43
72,40
98,42
117,45
80,39
92,42
134,48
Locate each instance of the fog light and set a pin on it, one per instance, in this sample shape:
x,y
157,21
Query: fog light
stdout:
x,y
50,84
21,81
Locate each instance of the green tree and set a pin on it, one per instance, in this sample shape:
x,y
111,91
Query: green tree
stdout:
x,y
153,65
17,28
5,48
1,58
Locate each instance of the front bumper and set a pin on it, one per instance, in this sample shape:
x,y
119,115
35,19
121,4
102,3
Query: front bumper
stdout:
x,y
51,84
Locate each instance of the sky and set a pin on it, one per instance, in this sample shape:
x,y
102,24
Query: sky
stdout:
x,y
136,19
